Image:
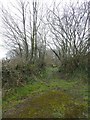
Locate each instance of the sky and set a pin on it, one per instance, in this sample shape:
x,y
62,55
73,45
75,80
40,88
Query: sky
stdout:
x,y
6,3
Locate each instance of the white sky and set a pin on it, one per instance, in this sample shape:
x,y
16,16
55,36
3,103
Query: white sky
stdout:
x,y
7,3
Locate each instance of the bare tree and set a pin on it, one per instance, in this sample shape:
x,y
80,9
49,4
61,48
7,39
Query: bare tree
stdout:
x,y
15,29
21,31
12,33
69,30
34,34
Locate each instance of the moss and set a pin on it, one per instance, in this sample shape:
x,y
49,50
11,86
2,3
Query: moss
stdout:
x,y
51,104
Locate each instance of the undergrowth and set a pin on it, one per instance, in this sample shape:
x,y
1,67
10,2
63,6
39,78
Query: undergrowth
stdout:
x,y
49,83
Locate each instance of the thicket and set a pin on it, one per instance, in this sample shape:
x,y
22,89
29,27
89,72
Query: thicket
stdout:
x,y
76,67
18,72
76,62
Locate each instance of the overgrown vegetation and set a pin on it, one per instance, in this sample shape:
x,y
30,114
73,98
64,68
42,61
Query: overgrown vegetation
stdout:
x,y
38,89
52,104
45,73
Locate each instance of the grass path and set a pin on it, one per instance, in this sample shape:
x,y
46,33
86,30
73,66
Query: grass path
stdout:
x,y
50,104
49,97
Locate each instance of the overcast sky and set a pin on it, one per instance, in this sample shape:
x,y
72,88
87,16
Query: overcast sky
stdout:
x,y
7,3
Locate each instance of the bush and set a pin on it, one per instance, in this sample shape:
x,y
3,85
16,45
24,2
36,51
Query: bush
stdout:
x,y
77,66
18,72
70,64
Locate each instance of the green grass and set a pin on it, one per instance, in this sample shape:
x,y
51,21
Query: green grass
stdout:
x,y
17,94
52,104
75,88
49,84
